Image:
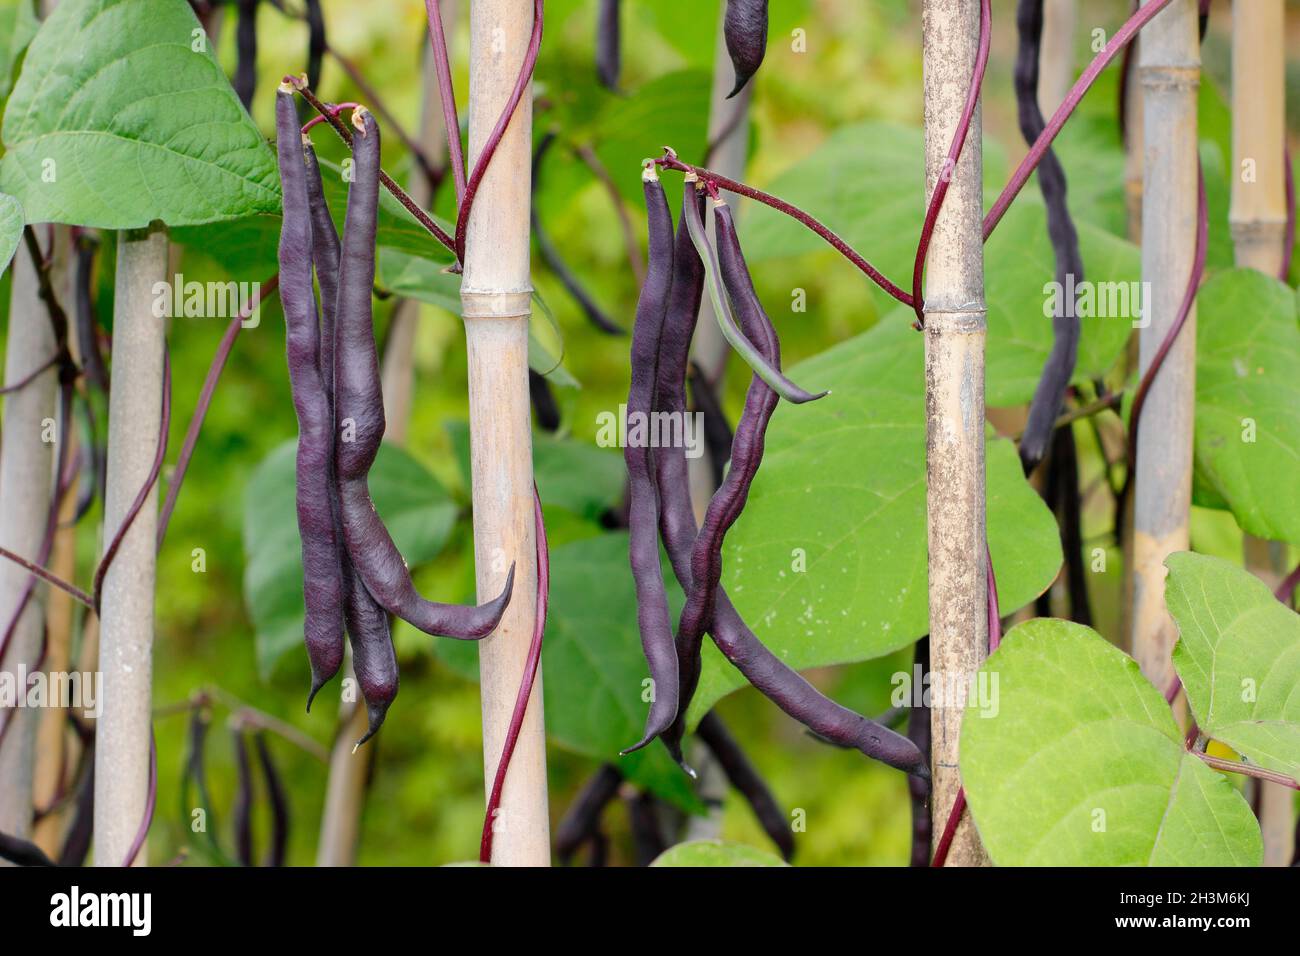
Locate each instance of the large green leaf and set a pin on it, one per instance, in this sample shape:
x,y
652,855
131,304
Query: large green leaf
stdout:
x,y
1247,396
117,120
1075,760
843,483
416,509
716,853
1238,655
18,24
11,229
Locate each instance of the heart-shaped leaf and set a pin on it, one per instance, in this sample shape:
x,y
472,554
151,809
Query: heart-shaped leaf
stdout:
x,y
1070,757
716,853
121,115
1238,655
11,229
1247,394
827,563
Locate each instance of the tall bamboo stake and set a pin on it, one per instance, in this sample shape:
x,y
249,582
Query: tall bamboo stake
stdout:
x,y
1258,219
52,737
496,293
122,743
955,328
1169,70
1056,55
346,786
26,481
728,137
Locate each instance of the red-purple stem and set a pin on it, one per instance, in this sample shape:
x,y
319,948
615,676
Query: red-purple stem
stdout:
x,y
447,96
950,163
150,801
1122,36
110,552
498,131
1184,310
525,684
205,400
794,212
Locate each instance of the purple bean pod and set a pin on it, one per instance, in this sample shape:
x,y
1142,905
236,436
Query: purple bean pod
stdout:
x,y
279,801
322,575
1059,367
747,446
359,421
581,821
763,669
242,813
609,53
653,618
245,79
373,657
744,776
677,525
744,27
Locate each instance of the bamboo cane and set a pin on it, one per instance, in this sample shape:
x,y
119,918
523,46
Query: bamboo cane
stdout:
x,y
52,737
122,744
25,487
1169,69
955,328
1258,220
496,293
1056,70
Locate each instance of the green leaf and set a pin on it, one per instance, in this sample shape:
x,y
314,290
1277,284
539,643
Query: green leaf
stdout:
x,y
133,124
11,229
671,110
416,509
842,487
1238,655
1075,760
1019,265
1247,393
18,23
578,477
715,853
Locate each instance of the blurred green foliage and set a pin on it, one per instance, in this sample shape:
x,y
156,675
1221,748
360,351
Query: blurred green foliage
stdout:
x,y
425,803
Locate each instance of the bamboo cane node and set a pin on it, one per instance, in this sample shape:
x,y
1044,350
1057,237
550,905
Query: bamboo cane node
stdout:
x,y
956,321
1258,230
484,304
1170,79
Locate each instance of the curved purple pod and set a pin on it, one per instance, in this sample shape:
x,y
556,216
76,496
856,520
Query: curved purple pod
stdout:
x,y
653,618
745,29
359,420
322,576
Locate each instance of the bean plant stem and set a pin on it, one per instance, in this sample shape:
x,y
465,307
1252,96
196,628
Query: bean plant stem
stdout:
x,y
398,193
1250,770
